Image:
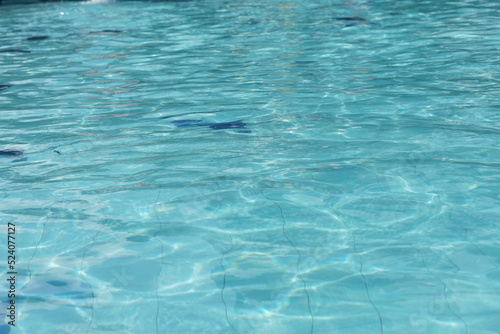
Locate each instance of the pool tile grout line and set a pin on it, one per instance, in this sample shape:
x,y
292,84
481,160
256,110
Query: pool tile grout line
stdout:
x,y
298,260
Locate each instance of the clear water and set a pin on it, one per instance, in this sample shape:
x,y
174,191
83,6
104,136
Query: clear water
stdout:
x,y
361,197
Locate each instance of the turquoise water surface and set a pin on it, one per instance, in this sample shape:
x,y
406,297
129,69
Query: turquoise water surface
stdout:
x,y
261,167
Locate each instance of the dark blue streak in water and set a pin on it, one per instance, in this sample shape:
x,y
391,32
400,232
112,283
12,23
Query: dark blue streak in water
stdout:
x,y
189,123
37,38
13,153
15,51
349,19
10,152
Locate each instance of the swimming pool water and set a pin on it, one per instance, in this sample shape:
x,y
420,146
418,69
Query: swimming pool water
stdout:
x,y
360,196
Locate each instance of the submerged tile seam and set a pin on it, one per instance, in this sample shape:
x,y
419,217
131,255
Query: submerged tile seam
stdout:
x,y
38,244
81,265
466,238
366,285
487,257
223,257
304,284
162,260
94,238
445,287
